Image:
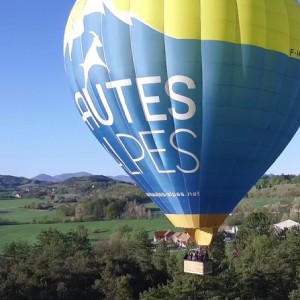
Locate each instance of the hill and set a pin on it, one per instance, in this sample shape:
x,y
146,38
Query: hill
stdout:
x,y
276,191
123,178
76,188
272,189
61,177
45,177
8,182
65,176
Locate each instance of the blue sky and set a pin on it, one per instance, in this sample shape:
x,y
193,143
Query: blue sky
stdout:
x,y
40,128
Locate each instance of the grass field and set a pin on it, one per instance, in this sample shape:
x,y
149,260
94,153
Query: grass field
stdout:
x,y
14,211
97,230
262,202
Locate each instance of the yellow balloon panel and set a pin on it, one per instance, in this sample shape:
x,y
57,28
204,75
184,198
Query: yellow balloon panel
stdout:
x,y
270,24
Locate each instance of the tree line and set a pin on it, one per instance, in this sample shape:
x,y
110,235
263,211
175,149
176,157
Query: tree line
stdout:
x,y
258,264
272,180
106,208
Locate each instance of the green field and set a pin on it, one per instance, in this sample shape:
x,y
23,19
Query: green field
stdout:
x,y
262,202
14,211
97,230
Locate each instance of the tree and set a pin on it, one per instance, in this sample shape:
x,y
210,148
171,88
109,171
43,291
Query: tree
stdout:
x,y
257,222
140,248
123,288
161,256
295,210
98,212
261,183
217,250
80,211
111,211
59,266
295,293
162,263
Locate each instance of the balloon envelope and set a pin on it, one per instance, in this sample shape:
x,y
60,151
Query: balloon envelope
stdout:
x,y
194,99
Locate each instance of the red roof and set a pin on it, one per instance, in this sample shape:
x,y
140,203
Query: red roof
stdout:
x,y
162,234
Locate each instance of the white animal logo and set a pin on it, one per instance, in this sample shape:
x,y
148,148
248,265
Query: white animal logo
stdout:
x,y
75,26
92,57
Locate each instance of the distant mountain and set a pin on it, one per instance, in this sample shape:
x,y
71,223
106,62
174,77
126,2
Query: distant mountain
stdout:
x,y
45,177
124,178
93,179
61,177
66,176
76,186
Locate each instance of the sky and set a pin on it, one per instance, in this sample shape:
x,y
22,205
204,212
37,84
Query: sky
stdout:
x,y
41,130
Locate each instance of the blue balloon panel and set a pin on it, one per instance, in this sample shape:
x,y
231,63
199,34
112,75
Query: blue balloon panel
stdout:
x,y
194,122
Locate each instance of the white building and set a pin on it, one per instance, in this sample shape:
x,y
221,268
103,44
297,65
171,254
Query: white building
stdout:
x,y
288,224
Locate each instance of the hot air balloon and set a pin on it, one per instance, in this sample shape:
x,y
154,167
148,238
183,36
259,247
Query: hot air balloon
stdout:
x,y
194,99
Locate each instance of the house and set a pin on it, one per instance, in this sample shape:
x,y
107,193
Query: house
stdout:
x,y
160,236
229,232
175,237
288,224
229,229
182,239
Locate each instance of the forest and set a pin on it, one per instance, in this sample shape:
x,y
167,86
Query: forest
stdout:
x,y
259,264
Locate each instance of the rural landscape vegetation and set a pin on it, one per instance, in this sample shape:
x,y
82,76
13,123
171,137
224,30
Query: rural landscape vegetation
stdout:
x,y
176,90
91,237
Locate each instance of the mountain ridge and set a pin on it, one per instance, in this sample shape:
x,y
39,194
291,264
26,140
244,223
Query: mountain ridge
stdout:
x,y
72,188
65,176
